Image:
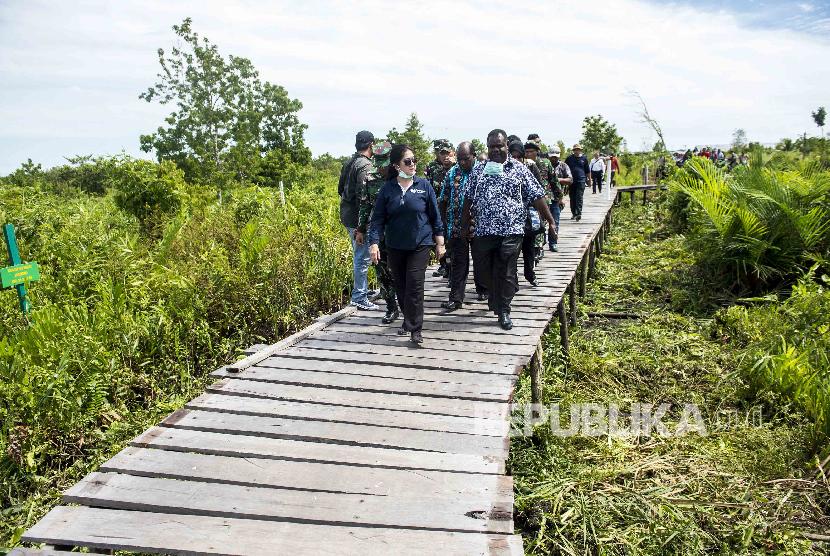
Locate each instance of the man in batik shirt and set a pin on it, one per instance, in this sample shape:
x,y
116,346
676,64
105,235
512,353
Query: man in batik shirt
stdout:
x,y
458,246
497,198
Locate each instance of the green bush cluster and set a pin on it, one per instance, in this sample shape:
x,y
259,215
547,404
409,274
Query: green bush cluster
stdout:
x,y
759,225
123,318
785,347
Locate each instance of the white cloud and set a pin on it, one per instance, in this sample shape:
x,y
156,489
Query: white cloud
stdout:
x,y
72,72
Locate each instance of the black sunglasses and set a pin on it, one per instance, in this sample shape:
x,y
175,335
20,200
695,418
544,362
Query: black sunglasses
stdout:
x,y
409,161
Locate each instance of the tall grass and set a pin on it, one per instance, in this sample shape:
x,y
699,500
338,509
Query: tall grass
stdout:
x,y
129,315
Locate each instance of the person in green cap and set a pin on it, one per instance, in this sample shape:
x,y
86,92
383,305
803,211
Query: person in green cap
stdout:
x,y
366,195
553,191
435,173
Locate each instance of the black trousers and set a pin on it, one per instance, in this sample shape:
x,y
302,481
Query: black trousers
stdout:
x,y
408,271
596,181
577,191
495,259
459,253
529,255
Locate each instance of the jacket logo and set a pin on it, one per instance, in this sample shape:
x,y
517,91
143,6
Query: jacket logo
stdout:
x,y
418,191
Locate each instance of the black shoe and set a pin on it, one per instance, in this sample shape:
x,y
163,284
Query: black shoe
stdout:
x,y
578,217
390,316
415,337
482,297
402,331
451,306
437,272
533,282
505,322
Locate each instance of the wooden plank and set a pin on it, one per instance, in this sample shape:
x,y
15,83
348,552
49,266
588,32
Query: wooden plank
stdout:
x,y
471,388
21,551
396,402
487,331
152,494
197,535
389,371
405,348
510,366
450,343
460,335
310,477
345,434
322,452
245,405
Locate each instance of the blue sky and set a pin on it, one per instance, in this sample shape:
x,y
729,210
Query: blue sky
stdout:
x,y
71,72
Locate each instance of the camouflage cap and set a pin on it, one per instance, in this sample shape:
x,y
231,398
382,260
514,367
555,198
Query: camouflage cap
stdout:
x,y
442,145
534,144
380,153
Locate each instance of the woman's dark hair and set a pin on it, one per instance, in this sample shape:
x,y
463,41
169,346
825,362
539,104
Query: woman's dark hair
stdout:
x,y
395,157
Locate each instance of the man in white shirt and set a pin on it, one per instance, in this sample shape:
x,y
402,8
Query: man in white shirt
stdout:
x,y
597,168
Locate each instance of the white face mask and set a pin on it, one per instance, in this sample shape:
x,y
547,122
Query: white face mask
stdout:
x,y
403,175
493,168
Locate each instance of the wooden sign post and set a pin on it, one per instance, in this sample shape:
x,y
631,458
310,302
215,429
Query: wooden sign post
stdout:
x,y
18,274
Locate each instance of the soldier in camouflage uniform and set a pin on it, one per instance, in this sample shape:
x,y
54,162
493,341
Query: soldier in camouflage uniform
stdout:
x,y
366,196
550,182
435,173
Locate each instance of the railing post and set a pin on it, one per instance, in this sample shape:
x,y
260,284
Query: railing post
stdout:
x,y
536,365
583,274
572,300
591,259
563,330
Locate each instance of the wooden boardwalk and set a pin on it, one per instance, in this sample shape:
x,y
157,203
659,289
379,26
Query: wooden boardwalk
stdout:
x,y
347,440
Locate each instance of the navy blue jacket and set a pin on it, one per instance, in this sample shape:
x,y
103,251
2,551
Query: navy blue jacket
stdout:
x,y
580,169
409,221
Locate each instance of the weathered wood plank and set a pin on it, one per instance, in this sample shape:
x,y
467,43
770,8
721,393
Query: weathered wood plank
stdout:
x,y
466,334
21,551
407,349
310,477
245,405
388,371
510,366
322,452
149,494
491,390
486,330
345,434
396,402
450,343
197,535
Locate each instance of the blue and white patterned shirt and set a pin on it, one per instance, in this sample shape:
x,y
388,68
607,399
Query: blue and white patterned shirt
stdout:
x,y
499,202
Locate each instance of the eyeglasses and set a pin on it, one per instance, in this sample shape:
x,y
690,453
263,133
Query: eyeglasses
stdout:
x,y
409,161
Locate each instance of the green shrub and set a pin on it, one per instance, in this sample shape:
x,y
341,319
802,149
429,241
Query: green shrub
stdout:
x,y
760,225
148,190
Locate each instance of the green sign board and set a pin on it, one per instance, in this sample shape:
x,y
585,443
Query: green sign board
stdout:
x,y
19,274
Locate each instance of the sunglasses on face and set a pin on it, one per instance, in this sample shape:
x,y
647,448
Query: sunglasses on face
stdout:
x,y
409,161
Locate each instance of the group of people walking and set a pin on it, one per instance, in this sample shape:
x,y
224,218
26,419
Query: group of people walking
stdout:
x,y
490,208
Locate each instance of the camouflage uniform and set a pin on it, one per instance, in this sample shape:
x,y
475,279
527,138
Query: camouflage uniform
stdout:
x,y
366,195
550,183
436,173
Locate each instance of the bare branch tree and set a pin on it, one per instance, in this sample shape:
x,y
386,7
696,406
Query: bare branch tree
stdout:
x,y
646,117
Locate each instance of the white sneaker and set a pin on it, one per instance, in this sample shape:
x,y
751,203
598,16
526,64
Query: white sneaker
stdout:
x,y
365,305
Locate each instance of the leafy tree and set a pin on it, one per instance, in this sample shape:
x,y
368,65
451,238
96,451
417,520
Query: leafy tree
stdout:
x,y
479,146
785,144
413,135
739,141
599,134
819,116
225,117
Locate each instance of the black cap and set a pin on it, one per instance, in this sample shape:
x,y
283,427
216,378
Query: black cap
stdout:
x,y
363,139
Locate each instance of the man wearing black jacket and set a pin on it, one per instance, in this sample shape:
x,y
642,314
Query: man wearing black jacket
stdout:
x,y
581,173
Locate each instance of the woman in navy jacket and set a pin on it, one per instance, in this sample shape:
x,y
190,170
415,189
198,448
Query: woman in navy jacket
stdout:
x,y
406,212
